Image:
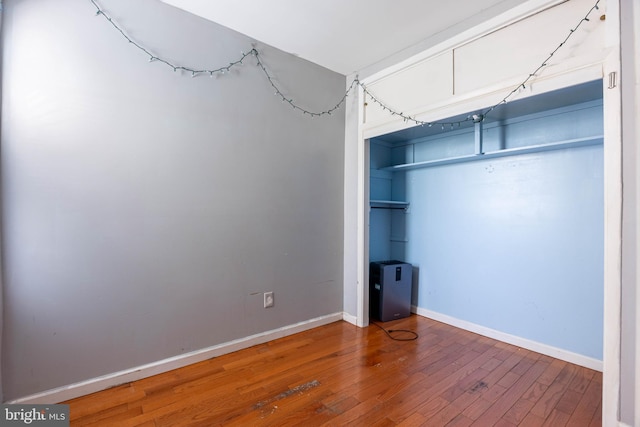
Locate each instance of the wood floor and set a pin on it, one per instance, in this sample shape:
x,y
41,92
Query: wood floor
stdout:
x,y
339,375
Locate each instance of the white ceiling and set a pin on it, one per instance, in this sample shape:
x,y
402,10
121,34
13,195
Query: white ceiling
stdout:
x,y
345,35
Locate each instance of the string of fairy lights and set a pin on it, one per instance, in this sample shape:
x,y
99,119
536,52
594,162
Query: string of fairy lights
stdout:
x,y
253,53
476,117
214,72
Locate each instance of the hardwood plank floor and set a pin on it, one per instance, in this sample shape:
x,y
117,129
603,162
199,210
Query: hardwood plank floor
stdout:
x,y
339,375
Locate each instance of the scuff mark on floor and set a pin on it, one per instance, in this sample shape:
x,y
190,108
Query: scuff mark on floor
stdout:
x,y
298,389
478,386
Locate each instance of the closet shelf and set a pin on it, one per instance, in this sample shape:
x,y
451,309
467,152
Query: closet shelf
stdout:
x,y
571,143
388,204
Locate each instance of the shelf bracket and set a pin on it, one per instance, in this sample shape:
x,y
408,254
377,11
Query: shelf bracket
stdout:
x,y
477,120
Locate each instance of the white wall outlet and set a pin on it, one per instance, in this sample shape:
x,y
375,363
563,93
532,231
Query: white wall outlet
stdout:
x,y
268,299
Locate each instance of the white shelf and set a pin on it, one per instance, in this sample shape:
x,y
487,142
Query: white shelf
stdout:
x,y
571,143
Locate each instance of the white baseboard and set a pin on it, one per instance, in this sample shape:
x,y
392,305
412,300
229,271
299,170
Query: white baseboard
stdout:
x,y
93,385
555,352
350,318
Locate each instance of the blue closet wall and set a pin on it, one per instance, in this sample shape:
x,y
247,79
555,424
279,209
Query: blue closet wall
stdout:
x,y
514,243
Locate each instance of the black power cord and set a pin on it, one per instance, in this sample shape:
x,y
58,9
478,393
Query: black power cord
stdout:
x,y
390,331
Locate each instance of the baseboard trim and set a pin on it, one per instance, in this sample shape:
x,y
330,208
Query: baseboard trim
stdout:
x,y
350,318
555,352
104,382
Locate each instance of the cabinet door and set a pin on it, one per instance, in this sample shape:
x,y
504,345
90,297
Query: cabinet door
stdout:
x,y
511,53
427,82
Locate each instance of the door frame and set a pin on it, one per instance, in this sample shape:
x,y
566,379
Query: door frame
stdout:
x,y
612,205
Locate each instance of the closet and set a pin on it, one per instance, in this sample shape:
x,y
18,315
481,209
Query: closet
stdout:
x,y
501,217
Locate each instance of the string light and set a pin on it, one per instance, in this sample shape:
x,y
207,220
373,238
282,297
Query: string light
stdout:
x,y
356,82
544,63
504,100
155,58
223,70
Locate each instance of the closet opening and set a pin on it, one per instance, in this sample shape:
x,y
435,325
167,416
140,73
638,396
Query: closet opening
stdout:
x,y
502,218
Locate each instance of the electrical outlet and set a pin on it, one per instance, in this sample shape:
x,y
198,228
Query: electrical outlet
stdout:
x,y
268,299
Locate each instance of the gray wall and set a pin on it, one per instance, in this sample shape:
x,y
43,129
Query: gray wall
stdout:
x,y
144,209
